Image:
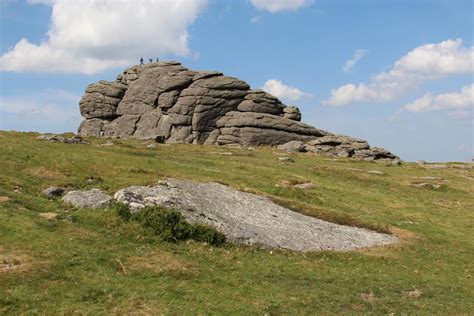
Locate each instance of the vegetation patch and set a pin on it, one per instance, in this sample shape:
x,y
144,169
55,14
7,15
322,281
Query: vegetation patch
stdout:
x,y
170,225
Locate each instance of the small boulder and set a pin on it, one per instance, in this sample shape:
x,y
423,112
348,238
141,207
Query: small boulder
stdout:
x,y
75,140
376,172
285,159
431,186
294,145
53,192
94,198
303,186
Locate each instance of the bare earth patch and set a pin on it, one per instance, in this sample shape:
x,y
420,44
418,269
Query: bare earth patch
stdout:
x,y
4,199
48,215
157,262
13,263
45,173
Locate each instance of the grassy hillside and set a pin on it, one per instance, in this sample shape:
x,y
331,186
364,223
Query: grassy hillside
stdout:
x,y
90,262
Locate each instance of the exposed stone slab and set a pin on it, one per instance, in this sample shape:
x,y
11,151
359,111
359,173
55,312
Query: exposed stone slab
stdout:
x,y
250,219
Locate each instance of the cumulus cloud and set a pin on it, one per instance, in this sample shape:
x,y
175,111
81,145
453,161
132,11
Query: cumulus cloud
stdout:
x,y
280,5
426,62
89,36
447,101
358,55
282,91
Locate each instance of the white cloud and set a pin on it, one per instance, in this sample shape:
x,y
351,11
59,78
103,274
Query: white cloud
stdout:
x,y
358,55
280,5
89,36
282,91
426,62
447,101
55,109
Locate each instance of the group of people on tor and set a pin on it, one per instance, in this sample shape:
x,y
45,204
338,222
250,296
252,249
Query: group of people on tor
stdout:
x,y
142,61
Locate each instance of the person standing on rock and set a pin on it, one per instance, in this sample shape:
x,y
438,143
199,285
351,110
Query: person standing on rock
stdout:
x,y
157,60
141,61
151,60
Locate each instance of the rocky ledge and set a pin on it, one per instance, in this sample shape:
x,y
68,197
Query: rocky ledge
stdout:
x,y
169,103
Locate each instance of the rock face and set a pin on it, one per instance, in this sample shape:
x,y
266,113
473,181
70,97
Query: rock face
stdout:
x,y
248,218
170,103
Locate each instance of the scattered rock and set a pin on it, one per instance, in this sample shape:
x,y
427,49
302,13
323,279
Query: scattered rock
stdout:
x,y
94,198
339,146
108,143
430,178
53,192
225,153
436,166
285,159
48,215
51,138
4,199
376,172
152,146
307,185
421,162
395,162
61,139
355,170
415,293
368,297
248,218
426,185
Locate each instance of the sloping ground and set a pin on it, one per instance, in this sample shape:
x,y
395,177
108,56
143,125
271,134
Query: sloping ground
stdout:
x,y
250,219
90,262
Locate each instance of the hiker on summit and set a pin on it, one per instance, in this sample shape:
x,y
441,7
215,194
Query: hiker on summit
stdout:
x,y
150,60
141,61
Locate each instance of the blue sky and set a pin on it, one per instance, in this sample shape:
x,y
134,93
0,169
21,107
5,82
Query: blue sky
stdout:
x,y
408,88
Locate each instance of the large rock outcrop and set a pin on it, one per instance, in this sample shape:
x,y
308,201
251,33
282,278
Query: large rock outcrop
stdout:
x,y
170,103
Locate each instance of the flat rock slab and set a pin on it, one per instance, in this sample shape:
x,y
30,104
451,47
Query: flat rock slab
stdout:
x,y
94,198
250,219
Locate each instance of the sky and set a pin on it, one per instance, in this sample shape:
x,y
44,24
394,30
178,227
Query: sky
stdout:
x,y
398,73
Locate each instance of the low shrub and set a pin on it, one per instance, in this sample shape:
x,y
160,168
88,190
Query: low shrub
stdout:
x,y
170,225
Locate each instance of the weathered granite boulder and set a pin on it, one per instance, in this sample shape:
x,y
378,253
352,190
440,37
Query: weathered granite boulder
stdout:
x,y
94,198
248,218
53,192
341,147
170,102
166,101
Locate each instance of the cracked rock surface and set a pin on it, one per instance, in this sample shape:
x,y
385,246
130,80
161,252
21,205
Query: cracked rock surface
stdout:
x,y
250,219
168,102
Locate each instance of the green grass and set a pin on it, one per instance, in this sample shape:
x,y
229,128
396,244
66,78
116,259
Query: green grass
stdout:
x,y
92,262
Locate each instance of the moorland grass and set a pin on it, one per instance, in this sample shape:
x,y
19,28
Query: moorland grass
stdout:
x,y
93,262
